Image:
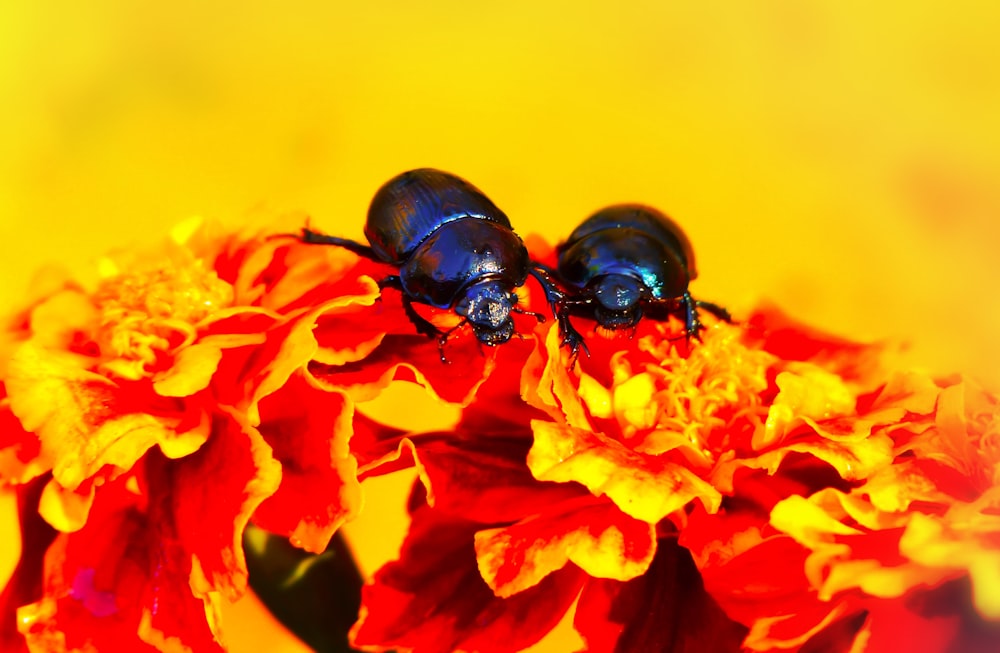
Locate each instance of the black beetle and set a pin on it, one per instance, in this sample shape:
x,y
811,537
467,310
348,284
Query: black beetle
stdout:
x,y
454,249
624,261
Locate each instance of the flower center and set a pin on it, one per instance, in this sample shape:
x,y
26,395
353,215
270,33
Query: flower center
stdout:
x,y
711,398
149,313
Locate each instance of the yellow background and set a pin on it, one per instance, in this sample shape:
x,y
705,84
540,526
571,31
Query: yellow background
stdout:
x,y
839,158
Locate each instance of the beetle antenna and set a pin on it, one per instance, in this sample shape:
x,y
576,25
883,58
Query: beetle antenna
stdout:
x,y
537,316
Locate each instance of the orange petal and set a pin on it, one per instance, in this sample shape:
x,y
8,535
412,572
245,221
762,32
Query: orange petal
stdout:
x,y
589,532
483,478
773,331
66,510
433,600
416,358
286,275
309,431
100,581
192,370
665,610
84,420
20,450
25,583
208,498
646,487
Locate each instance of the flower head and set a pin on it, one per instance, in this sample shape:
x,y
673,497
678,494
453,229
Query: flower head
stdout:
x,y
662,421
760,487
164,406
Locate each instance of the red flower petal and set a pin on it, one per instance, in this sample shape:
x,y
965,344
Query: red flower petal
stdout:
x,y
665,610
19,449
86,421
209,497
309,431
590,532
772,330
285,275
406,355
25,583
483,477
645,487
940,619
117,583
433,599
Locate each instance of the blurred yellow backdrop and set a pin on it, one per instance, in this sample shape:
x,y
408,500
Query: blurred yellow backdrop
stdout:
x,y
840,158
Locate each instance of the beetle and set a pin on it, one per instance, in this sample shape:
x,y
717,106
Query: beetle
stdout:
x,y
454,249
626,261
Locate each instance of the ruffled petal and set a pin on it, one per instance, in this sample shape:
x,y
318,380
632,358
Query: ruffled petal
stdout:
x,y
433,600
770,329
120,583
209,497
645,487
86,421
309,431
483,478
20,450
665,610
590,532
25,583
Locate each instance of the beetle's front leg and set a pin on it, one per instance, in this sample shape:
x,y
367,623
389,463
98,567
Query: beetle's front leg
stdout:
x,y
422,325
559,302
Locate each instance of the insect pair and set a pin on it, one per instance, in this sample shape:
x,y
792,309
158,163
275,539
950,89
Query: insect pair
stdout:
x,y
454,249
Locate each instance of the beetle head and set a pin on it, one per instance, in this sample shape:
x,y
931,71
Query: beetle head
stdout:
x,y
487,305
618,300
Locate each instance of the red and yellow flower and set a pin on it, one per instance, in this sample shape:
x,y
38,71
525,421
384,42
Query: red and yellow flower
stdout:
x,y
190,389
763,487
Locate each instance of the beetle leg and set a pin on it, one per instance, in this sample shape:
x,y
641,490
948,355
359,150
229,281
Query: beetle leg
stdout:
x,y
560,302
392,281
422,325
691,322
311,237
443,336
546,270
715,310
543,274
673,306
570,336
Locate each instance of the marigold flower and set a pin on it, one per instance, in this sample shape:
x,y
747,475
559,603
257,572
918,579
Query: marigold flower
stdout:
x,y
707,439
763,487
876,563
663,422
171,401
495,557
926,522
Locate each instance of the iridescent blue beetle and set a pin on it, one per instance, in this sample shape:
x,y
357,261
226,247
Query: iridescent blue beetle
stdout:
x,y
625,261
454,249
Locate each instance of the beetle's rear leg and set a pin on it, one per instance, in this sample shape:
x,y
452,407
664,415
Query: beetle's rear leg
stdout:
x,y
311,237
674,306
692,325
715,310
